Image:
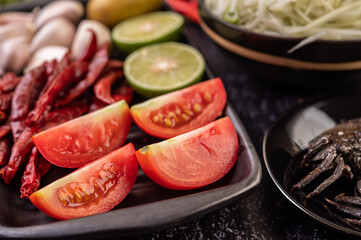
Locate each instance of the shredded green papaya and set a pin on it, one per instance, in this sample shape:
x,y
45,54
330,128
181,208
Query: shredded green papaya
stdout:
x,y
314,19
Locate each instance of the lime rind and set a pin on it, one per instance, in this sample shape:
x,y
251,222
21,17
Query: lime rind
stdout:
x,y
150,89
153,25
167,27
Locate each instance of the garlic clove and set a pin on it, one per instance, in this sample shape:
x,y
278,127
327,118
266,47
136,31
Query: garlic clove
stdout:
x,y
47,53
13,17
16,29
82,36
72,10
59,31
14,52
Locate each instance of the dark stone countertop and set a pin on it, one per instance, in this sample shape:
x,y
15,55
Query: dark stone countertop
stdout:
x,y
260,94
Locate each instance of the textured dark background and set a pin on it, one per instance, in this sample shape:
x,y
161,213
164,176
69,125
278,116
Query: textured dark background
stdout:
x,y
260,94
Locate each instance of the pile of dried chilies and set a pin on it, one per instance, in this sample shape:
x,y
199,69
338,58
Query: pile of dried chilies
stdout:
x,y
47,96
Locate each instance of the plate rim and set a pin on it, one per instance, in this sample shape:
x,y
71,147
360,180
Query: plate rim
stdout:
x,y
287,114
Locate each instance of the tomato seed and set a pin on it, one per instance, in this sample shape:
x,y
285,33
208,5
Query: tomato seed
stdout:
x,y
75,194
207,96
78,197
155,119
178,111
189,112
168,122
197,108
185,117
175,116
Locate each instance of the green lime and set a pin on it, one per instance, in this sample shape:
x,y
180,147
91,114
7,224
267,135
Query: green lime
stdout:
x,y
163,67
146,29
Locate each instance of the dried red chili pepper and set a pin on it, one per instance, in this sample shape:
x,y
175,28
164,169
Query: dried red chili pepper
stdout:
x,y
9,82
123,91
188,8
61,82
19,151
102,89
5,101
17,127
96,67
4,130
114,64
81,69
3,117
51,66
62,115
88,54
35,168
53,69
27,92
96,105
4,150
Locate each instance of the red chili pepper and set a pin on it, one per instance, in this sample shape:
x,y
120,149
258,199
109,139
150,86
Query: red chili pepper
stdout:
x,y
102,89
27,92
17,127
186,8
96,67
19,151
9,82
96,105
53,69
4,130
3,116
123,92
62,115
5,101
35,168
114,64
88,54
51,66
61,82
81,69
4,150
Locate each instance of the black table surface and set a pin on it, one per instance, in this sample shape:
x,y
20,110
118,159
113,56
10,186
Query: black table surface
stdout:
x,y
260,94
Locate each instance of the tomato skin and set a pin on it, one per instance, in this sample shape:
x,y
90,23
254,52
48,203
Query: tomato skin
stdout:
x,y
180,109
47,198
193,159
84,139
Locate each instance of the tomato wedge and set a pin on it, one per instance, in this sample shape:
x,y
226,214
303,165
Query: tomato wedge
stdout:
x,y
193,159
95,188
181,111
84,139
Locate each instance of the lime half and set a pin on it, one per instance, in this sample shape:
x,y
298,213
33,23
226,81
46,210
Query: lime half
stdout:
x,y
146,29
163,67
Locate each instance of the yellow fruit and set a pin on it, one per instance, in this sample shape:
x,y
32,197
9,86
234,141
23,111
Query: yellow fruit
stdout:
x,y
111,12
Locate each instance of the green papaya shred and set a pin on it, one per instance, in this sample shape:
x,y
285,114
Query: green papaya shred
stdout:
x,y
313,19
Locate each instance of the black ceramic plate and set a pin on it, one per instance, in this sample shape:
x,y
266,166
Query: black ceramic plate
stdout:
x,y
288,139
148,207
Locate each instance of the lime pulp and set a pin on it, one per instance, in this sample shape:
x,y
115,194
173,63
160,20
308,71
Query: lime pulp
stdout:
x,y
163,67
